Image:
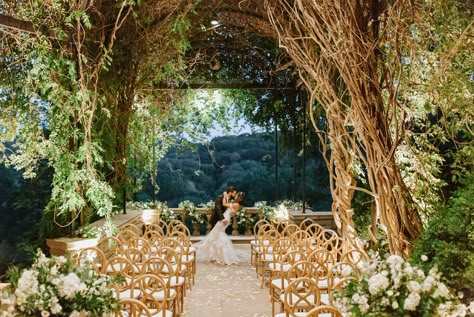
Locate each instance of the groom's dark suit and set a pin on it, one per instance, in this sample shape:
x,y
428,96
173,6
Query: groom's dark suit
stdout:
x,y
219,210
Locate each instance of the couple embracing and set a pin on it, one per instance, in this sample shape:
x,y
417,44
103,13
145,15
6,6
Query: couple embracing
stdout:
x,y
217,246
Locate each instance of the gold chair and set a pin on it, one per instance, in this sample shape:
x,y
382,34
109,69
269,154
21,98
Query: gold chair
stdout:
x,y
289,230
306,223
160,267
92,258
253,243
281,269
122,267
110,246
154,294
301,295
132,227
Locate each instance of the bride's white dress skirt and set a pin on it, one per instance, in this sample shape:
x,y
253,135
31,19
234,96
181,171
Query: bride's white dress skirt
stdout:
x,y
217,245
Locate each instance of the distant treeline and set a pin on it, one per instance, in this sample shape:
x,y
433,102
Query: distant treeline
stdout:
x,y
246,161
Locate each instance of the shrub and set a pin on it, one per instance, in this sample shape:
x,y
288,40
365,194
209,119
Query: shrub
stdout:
x,y
448,240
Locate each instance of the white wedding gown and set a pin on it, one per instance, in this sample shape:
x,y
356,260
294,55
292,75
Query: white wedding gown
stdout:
x,y
217,246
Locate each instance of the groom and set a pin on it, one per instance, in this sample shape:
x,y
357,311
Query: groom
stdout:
x,y
219,208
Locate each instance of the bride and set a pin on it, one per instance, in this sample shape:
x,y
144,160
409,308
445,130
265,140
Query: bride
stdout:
x,y
217,245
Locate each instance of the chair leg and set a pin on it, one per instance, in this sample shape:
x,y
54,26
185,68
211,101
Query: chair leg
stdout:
x,y
264,265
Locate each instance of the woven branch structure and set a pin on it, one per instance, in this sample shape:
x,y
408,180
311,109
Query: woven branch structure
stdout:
x,y
337,45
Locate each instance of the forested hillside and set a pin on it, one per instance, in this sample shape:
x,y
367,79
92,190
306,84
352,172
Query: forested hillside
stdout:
x,y
247,162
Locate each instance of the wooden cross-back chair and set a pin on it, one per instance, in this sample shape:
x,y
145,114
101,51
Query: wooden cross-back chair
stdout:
x,y
92,258
306,223
154,294
280,270
301,295
160,267
131,307
110,246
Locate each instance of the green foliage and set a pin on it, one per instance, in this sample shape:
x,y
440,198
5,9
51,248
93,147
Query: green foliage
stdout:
x,y
448,239
191,211
246,161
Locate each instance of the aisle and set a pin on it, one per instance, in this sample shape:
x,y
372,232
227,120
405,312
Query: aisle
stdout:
x,y
230,291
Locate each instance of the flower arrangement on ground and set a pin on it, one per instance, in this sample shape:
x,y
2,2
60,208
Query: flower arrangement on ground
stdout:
x,y
394,287
56,287
190,210
268,212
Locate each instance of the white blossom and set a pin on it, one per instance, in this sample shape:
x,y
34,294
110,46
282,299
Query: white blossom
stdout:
x,y
442,290
428,283
424,258
395,260
413,287
70,284
395,304
412,301
378,283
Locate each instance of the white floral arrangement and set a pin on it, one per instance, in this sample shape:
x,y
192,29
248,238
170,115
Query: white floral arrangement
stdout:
x,y
394,287
268,212
190,210
57,287
167,214
242,217
209,205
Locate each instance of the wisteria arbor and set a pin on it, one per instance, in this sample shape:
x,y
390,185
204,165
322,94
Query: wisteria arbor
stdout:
x,y
89,73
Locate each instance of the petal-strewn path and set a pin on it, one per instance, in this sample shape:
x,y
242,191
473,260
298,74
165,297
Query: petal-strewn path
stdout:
x,y
228,291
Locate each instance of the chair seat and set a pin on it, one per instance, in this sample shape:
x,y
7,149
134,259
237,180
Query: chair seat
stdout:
x,y
160,296
260,249
277,283
325,299
175,281
116,268
264,242
187,258
128,294
323,284
267,257
279,267
174,267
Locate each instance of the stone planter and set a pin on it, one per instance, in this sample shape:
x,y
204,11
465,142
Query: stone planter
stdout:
x,y
69,246
150,216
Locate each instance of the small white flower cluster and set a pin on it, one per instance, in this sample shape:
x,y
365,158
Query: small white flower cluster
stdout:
x,y
394,287
190,210
242,216
268,212
167,214
54,286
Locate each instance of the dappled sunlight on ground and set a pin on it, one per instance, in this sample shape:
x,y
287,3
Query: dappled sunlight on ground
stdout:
x,y
230,291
